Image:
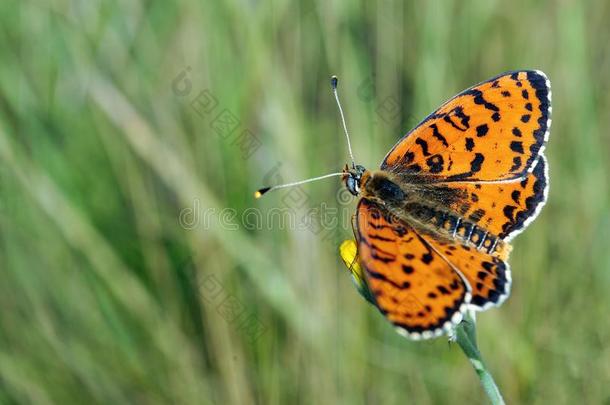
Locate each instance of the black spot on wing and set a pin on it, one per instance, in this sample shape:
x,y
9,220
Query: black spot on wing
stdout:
x,y
524,182
438,135
482,130
379,237
382,277
516,163
464,119
509,211
475,165
427,258
407,158
383,259
477,215
469,144
479,99
399,231
435,163
424,146
516,146
443,290
412,169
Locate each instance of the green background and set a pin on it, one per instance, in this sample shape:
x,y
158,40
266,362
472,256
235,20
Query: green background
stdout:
x,y
121,278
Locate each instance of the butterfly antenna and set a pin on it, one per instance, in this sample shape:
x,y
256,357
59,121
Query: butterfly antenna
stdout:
x,y
259,193
333,83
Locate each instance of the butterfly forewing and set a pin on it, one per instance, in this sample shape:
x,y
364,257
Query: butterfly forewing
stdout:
x,y
493,131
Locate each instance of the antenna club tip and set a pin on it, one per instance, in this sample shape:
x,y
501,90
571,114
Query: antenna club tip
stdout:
x,y
259,193
334,81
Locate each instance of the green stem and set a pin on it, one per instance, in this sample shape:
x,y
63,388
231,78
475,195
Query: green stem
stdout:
x,y
466,339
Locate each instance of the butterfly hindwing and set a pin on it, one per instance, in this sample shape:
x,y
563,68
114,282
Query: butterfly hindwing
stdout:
x,y
493,131
504,209
412,284
487,276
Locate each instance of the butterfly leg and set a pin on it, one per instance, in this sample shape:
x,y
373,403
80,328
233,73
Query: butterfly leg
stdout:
x,y
355,231
354,227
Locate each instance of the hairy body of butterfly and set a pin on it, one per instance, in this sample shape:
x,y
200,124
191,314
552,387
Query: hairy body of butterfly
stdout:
x,y
424,206
433,225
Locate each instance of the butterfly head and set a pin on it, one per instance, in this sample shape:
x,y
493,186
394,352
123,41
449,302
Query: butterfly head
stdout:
x,y
354,178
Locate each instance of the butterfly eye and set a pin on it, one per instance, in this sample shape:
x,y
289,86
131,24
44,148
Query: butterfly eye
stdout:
x,y
352,185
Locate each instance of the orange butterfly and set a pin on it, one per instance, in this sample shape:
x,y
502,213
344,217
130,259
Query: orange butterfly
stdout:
x,y
433,225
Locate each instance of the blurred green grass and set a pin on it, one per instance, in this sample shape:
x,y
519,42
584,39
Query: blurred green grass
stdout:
x,y
106,297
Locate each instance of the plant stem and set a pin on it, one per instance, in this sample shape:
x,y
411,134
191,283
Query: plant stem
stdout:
x,y
466,339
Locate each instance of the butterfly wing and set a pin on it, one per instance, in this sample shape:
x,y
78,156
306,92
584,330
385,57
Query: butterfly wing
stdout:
x,y
504,209
487,276
494,131
412,284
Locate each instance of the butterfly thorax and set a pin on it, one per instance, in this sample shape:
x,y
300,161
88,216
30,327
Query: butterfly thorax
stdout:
x,y
424,206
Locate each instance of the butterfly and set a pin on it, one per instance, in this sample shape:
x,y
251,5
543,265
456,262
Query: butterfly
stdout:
x,y
434,224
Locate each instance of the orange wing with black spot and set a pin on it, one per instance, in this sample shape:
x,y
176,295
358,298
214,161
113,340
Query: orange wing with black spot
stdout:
x,y
413,285
487,276
493,131
504,209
